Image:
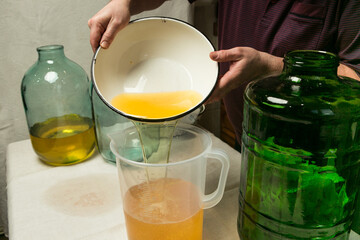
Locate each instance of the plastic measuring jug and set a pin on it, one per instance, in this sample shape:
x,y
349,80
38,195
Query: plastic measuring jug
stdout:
x,y
167,200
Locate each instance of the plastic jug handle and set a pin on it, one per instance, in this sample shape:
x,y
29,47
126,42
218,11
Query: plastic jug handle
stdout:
x,y
214,198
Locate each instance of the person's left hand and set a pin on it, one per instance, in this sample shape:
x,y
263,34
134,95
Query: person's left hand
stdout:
x,y
246,65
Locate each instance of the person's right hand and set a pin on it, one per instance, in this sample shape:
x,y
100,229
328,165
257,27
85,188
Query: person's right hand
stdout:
x,y
107,22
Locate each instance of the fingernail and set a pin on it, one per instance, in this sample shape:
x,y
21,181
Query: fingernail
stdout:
x,y
104,44
214,55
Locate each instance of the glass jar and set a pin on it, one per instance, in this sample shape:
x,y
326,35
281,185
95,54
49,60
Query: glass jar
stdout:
x,y
106,121
56,98
300,152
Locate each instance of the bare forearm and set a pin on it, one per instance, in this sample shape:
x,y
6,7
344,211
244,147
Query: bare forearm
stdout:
x,y
346,71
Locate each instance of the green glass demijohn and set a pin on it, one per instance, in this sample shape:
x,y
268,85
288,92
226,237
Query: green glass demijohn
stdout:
x,y
57,103
300,152
356,221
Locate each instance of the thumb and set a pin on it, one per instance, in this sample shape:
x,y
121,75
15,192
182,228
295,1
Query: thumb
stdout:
x,y
225,55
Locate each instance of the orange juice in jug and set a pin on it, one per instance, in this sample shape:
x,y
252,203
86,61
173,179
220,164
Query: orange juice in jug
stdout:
x,y
166,208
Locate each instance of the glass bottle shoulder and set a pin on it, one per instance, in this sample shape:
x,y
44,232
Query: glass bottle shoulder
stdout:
x,y
58,71
301,99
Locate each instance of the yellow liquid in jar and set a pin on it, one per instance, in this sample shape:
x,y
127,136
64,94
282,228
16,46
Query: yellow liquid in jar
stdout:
x,y
167,208
63,140
156,105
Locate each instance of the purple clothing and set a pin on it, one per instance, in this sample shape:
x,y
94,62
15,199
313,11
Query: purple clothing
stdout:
x,y
279,26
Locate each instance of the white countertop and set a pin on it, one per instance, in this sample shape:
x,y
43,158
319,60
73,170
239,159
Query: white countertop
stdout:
x,y
83,201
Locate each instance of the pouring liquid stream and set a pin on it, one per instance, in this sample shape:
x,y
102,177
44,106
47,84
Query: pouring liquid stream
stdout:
x,y
161,197
156,137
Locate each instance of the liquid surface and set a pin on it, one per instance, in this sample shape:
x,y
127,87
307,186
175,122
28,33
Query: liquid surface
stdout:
x,y
156,105
63,140
166,208
156,137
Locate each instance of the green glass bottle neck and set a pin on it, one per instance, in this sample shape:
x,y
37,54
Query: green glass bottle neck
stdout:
x,y
51,52
310,62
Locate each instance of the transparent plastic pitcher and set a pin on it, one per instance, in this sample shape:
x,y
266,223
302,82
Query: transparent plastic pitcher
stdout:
x,y
166,201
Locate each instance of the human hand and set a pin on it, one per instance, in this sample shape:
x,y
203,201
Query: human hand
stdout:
x,y
107,22
246,65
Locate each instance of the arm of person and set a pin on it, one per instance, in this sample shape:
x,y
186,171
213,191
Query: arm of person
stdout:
x,y
348,39
248,64
115,16
346,71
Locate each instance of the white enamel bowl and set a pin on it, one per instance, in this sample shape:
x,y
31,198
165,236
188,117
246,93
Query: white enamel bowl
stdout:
x,y
155,54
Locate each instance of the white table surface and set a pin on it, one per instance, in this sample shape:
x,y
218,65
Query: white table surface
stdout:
x,y
82,201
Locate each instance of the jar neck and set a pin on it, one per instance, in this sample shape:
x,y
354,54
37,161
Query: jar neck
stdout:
x,y
310,63
50,52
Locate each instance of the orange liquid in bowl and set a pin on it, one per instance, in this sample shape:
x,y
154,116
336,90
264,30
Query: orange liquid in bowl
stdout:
x,y
167,208
156,105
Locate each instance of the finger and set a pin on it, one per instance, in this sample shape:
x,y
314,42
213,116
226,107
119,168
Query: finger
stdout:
x,y
213,98
96,31
229,55
215,95
226,83
113,28
226,80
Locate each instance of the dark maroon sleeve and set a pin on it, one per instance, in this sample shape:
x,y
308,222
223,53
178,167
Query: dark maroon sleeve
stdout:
x,y
348,40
